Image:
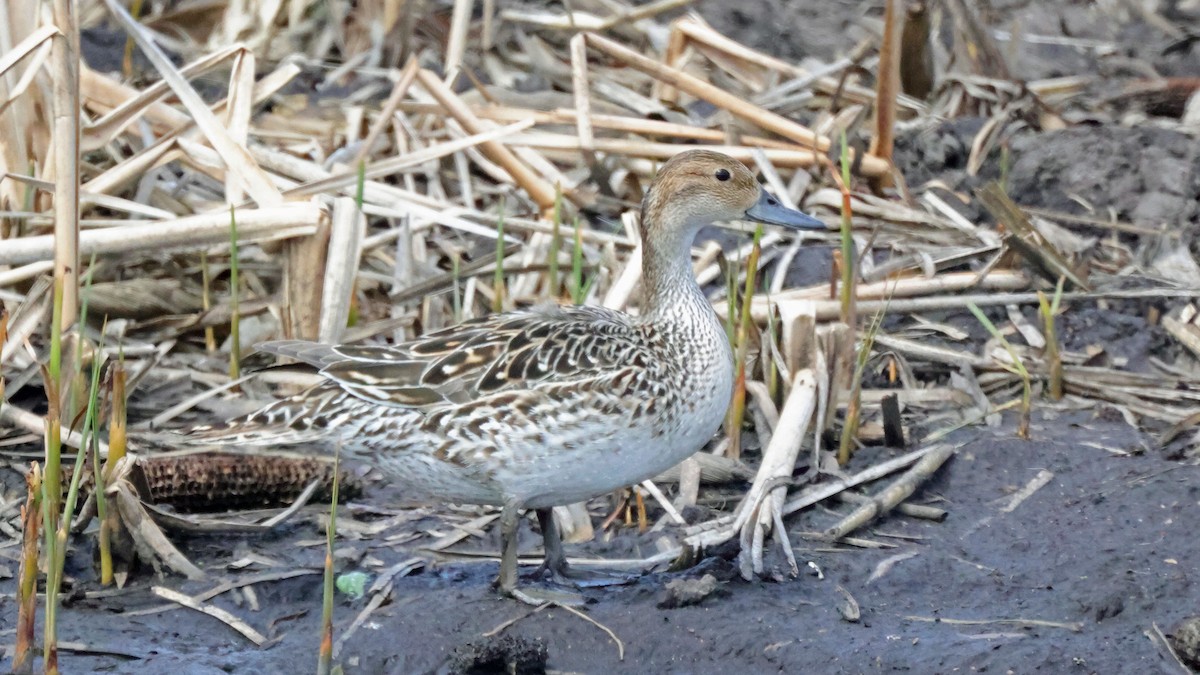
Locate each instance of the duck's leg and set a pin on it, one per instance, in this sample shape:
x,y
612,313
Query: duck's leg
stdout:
x,y
510,520
555,562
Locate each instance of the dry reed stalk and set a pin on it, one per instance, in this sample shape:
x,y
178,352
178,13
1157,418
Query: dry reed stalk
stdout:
x,y
583,106
895,493
303,277
284,163
286,220
633,125
238,113
887,87
236,158
384,119
123,105
344,257
1025,239
165,149
539,190
870,166
917,73
65,63
761,509
907,287
693,28
24,130
456,43
39,44
543,140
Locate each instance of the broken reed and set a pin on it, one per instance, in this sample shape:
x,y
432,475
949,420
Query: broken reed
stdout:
x,y
28,572
28,569
325,652
848,294
210,335
737,407
116,451
1017,367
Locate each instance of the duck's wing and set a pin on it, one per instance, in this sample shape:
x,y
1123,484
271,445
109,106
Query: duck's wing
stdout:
x,y
504,352
465,368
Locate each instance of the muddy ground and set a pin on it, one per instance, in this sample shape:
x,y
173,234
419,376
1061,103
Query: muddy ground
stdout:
x,y
1073,580
1068,582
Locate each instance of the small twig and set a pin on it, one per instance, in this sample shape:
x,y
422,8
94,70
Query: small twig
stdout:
x,y
888,563
380,590
1158,636
606,629
666,505
1072,626
530,611
216,612
1036,483
227,586
300,502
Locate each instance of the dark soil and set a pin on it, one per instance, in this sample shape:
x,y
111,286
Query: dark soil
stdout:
x,y
1073,580
1069,581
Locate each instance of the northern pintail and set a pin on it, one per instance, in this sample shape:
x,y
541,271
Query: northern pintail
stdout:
x,y
546,406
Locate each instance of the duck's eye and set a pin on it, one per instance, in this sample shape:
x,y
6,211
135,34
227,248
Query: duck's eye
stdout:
x,y
722,174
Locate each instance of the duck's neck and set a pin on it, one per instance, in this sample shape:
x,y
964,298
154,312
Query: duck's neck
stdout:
x,y
669,286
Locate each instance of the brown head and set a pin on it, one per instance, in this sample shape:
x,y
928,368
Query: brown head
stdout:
x,y
697,187
693,189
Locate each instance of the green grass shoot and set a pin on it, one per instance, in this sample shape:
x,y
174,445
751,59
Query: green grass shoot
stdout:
x,y
498,290
1017,367
325,654
737,407
854,408
52,479
1048,309
847,292
579,287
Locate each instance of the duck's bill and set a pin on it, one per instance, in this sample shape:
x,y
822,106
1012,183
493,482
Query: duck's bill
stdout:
x,y
770,211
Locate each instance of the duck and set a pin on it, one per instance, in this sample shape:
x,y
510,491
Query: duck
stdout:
x,y
545,406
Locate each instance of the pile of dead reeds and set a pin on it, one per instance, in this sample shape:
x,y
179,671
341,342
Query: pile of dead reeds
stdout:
x,y
209,206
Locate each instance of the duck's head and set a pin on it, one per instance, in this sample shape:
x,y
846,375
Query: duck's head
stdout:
x,y
698,187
